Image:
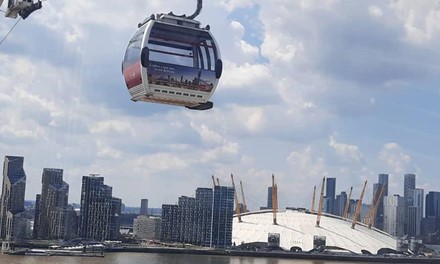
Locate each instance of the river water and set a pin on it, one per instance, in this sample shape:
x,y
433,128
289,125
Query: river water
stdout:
x,y
151,258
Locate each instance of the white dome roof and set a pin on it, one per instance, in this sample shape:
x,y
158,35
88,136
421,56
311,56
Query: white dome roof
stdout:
x,y
297,228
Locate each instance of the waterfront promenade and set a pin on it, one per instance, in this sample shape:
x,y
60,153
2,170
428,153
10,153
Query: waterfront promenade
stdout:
x,y
284,255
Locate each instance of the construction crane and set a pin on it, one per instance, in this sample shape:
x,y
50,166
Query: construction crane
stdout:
x,y
321,199
244,200
274,200
347,204
312,209
358,207
376,207
237,204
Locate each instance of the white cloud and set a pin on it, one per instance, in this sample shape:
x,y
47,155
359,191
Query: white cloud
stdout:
x,y
421,19
244,75
104,150
395,158
220,152
108,126
307,163
347,152
231,5
317,4
375,11
280,48
249,51
160,162
208,136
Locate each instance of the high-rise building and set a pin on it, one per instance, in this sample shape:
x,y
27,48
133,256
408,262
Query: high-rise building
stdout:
x,y
415,212
144,207
330,193
409,183
383,180
187,215
431,222
145,227
340,202
54,197
99,218
170,223
269,198
205,220
432,204
12,221
394,211
204,202
377,188
223,210
36,217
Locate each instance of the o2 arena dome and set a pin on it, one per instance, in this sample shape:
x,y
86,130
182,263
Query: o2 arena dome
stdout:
x,y
297,228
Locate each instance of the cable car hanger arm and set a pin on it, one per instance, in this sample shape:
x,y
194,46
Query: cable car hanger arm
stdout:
x,y
196,13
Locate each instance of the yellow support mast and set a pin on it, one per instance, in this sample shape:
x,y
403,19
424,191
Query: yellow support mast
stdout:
x,y
237,204
242,197
321,199
358,207
347,204
274,200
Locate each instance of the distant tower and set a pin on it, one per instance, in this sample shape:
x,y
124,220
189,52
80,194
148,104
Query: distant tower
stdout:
x,y
415,212
394,207
433,205
144,207
340,202
330,192
54,194
383,180
269,198
377,188
409,183
99,218
12,221
431,222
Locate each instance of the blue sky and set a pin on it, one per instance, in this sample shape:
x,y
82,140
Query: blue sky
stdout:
x,y
310,88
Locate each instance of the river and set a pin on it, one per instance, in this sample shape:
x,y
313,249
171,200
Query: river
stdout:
x,y
153,258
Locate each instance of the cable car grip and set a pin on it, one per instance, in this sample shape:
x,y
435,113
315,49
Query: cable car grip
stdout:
x,y
196,13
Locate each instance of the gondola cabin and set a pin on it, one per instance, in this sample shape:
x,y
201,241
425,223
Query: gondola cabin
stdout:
x,y
171,60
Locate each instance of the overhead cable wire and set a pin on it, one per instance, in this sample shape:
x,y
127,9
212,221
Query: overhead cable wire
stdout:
x,y
12,28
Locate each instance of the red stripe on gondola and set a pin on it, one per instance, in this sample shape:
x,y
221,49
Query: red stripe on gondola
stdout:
x,y
133,75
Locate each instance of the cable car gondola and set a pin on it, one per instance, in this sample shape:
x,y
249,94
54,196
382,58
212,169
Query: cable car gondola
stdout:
x,y
172,60
21,7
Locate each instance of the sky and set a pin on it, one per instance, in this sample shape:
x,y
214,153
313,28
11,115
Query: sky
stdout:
x,y
310,88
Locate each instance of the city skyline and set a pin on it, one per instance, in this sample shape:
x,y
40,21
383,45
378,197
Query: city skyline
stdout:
x,y
208,214
330,188
344,89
